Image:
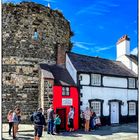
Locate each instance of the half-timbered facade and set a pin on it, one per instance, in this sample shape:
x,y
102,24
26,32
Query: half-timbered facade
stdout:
x,y
107,86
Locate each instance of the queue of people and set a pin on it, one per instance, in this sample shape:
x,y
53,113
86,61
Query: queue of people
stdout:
x,y
88,121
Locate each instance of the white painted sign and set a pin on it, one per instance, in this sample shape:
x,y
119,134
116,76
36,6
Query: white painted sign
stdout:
x,y
67,101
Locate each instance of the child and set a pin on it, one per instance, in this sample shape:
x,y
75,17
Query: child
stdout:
x,y
57,123
9,118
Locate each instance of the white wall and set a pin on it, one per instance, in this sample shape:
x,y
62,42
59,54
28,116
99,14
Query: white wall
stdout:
x,y
85,79
134,67
128,63
125,61
71,69
107,94
114,82
123,48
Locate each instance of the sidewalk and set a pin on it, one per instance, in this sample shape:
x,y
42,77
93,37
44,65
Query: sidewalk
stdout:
x,y
120,132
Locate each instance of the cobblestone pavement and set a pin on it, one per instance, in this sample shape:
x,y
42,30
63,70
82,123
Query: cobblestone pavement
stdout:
x,y
118,132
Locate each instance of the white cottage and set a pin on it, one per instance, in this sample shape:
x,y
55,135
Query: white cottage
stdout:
x,y
107,86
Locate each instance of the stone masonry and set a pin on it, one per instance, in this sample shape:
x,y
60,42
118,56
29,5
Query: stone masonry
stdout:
x,y
22,53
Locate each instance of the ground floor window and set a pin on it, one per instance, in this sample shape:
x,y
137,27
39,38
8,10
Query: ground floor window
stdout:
x,y
96,106
132,108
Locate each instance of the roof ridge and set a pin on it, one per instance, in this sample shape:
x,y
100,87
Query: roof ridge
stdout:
x,y
91,56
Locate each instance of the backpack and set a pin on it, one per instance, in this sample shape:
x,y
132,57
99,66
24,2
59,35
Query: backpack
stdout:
x,y
37,118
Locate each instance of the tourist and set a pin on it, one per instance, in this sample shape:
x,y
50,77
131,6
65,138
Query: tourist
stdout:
x,y
39,121
82,119
57,123
50,118
9,118
71,119
87,114
15,121
19,116
92,120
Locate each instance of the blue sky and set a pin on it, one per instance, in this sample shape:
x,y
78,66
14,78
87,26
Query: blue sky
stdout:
x,y
98,24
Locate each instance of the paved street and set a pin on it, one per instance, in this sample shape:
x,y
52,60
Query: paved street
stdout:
x,y
119,132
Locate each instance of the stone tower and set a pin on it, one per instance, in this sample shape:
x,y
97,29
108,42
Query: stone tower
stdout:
x,y
32,34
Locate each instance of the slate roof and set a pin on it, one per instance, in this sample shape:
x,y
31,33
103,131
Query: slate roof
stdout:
x,y
133,58
98,65
60,74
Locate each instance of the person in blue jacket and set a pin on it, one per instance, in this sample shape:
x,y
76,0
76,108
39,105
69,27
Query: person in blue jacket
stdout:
x,y
39,121
57,123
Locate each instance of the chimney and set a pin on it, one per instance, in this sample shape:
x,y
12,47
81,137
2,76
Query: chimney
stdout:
x,y
61,54
123,46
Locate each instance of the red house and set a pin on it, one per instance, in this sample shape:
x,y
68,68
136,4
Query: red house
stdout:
x,y
64,93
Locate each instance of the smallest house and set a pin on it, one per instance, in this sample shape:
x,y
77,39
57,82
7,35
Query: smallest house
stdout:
x,y
58,88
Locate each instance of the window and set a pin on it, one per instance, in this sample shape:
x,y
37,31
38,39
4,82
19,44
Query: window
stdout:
x,y
96,106
96,79
65,91
8,78
132,108
137,84
131,82
35,36
80,77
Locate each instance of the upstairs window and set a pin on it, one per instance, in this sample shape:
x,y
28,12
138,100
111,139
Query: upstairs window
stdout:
x,y
132,108
65,91
137,84
131,82
96,79
80,77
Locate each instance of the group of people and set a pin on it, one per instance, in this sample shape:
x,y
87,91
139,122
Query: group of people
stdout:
x,y
53,122
89,120
14,118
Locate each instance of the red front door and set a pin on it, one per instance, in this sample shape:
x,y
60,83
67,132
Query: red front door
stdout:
x,y
62,114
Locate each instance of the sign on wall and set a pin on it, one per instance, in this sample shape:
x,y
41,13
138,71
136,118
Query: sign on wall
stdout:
x,y
67,101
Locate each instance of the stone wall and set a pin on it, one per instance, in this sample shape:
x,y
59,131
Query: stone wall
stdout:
x,y
22,53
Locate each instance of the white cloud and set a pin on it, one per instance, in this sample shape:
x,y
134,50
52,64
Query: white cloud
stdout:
x,y
81,45
92,46
98,8
134,51
85,43
52,1
97,49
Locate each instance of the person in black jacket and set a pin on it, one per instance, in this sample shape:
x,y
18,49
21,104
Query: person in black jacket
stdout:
x,y
39,121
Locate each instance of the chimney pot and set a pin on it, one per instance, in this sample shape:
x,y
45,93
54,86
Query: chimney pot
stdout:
x,y
124,37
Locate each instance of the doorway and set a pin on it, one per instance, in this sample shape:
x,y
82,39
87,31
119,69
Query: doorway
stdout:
x,y
114,112
62,114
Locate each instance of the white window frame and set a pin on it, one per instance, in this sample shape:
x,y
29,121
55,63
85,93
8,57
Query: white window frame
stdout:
x,y
132,108
137,83
131,82
65,91
96,79
96,106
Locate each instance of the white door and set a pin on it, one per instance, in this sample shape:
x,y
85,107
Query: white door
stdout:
x,y
114,112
